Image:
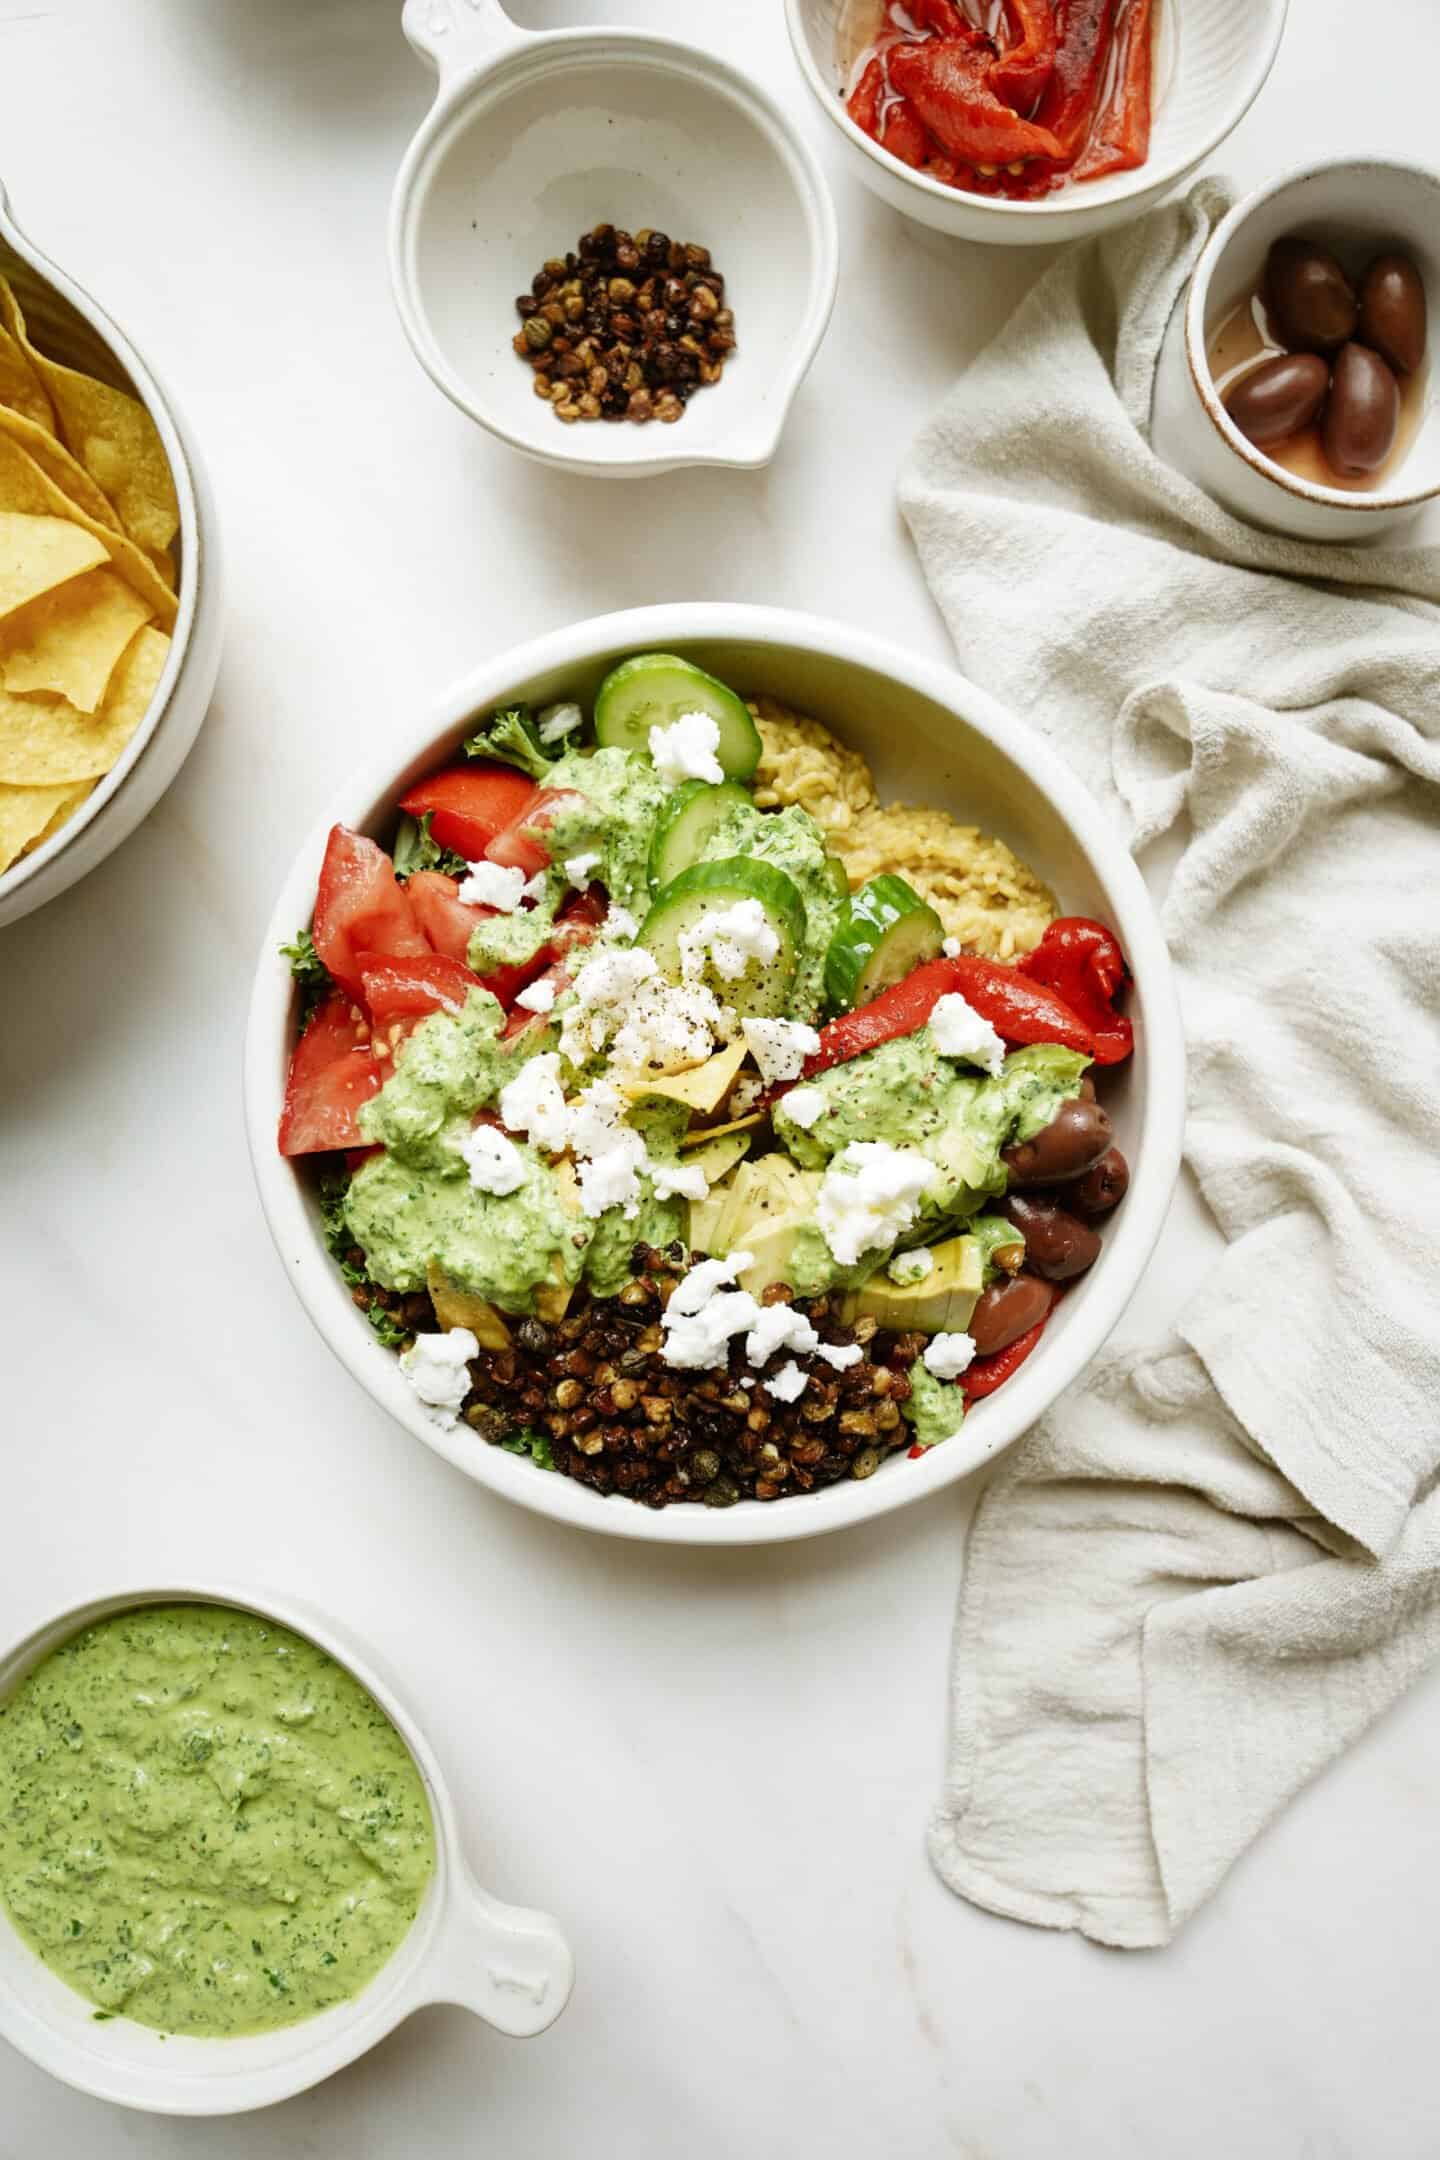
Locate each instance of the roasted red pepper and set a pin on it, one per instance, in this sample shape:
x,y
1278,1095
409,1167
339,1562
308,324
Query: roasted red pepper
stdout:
x,y
1082,962
864,102
985,1374
1019,1010
1120,139
904,134
1022,73
947,81
941,16
1082,48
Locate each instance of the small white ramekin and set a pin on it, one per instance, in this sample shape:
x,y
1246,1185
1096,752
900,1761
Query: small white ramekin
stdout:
x,y
77,330
1356,206
510,1967
931,737
534,139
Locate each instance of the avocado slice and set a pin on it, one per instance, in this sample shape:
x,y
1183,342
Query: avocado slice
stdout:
x,y
775,1205
718,1157
941,1301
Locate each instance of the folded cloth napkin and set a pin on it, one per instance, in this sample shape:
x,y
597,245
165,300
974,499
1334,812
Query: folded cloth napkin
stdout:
x,y
1214,1562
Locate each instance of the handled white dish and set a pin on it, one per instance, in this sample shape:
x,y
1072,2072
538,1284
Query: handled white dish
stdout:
x,y
510,1967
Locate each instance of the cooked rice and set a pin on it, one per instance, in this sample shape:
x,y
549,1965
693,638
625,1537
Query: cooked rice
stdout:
x,y
982,892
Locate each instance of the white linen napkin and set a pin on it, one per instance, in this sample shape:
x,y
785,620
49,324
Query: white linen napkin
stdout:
x,y
1215,1561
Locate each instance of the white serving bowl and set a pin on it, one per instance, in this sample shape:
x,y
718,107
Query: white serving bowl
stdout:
x,y
510,1967
534,139
1211,61
68,325
930,737
1357,207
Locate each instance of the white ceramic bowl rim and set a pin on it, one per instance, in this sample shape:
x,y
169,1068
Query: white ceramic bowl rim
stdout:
x,y
148,389
1117,187
510,1966
1361,500
1055,1364
500,46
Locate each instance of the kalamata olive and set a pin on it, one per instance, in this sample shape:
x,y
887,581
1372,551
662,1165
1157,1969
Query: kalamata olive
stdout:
x,y
1103,1186
1363,412
1310,300
1008,1310
1076,1136
1057,1245
1393,315
1279,397
1087,1089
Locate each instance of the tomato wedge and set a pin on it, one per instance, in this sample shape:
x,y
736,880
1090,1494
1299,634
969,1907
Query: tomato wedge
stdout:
x,y
409,989
332,1072
521,846
360,907
1019,1010
469,804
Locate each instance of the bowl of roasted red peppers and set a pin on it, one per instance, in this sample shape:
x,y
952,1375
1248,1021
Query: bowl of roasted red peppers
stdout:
x,y
1032,120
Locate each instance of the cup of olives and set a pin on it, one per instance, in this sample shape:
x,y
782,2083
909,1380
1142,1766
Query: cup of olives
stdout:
x,y
1311,411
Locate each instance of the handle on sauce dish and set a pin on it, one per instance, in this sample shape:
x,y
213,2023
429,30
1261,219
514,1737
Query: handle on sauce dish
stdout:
x,y
511,1967
459,35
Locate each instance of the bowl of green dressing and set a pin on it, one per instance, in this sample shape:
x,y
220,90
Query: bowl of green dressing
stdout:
x,y
228,1861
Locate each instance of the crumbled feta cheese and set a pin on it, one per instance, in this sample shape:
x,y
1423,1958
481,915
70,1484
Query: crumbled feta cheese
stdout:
x,y
703,1314
534,1103
609,1154
437,1368
952,948
686,749
555,721
728,940
789,1384
683,1181
870,1196
744,1095
910,1267
803,1106
580,869
534,887
649,1025
620,923
841,1355
958,1031
495,1163
946,1356
540,997
489,884
779,1047
779,1327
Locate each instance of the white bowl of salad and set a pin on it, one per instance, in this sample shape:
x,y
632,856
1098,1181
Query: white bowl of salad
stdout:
x,y
680,1133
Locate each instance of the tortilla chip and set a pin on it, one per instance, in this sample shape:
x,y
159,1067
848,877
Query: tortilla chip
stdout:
x,y
24,487
111,434
44,741
164,562
28,815
56,462
21,389
69,641
38,553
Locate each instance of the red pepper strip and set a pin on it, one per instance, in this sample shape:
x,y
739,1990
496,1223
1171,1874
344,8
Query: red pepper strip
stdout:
x,y
985,1374
1082,962
1120,139
904,134
946,80
1022,75
863,105
941,16
1067,109
1020,1011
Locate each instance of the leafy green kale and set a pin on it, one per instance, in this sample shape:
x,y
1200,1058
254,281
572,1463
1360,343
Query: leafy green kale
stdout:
x,y
343,1251
310,972
416,848
534,1444
510,736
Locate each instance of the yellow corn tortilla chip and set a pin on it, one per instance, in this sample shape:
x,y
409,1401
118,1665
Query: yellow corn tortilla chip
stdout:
x,y
56,462
111,434
45,740
38,553
28,815
24,487
21,389
164,562
69,641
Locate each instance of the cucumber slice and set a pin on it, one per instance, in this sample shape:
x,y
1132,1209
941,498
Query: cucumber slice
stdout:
x,y
886,931
838,875
686,823
654,690
705,889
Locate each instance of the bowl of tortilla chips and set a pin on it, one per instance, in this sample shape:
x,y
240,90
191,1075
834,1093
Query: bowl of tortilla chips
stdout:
x,y
109,582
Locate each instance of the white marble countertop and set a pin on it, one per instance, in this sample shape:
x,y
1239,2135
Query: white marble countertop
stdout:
x,y
714,1767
